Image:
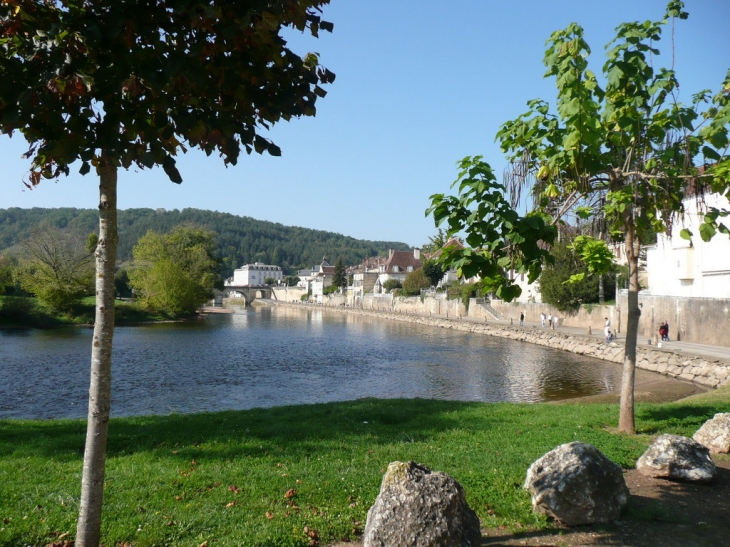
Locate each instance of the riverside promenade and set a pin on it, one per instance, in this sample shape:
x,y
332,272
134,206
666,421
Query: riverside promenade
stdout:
x,y
720,353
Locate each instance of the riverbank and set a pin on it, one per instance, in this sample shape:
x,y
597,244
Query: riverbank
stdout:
x,y
23,312
697,369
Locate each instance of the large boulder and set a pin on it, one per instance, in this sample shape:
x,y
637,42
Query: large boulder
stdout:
x,y
715,434
418,508
576,484
677,458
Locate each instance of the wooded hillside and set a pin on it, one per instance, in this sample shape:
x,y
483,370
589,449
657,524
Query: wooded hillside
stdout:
x,y
241,240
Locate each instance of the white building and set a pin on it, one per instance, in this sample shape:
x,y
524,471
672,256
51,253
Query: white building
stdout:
x,y
397,266
695,268
254,275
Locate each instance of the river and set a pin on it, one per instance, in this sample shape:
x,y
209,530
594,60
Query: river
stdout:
x,y
262,357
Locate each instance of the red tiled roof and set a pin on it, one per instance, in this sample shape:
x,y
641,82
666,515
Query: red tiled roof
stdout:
x,y
453,242
402,259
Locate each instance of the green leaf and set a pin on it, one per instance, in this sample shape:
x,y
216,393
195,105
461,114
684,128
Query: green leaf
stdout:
x,y
575,278
707,231
685,234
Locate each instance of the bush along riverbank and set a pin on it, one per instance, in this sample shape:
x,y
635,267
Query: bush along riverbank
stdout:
x,y
26,312
703,371
289,475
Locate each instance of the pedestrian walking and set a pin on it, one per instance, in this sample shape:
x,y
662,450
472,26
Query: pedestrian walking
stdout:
x,y
522,319
555,321
608,334
542,319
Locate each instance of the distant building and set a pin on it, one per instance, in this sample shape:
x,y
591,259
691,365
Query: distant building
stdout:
x,y
322,274
254,275
695,268
397,266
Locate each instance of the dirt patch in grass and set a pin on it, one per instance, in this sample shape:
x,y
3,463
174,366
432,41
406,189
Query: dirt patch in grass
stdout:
x,y
659,513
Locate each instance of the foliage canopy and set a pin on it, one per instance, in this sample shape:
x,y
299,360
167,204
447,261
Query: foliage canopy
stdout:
x,y
136,81
414,282
630,153
556,287
175,272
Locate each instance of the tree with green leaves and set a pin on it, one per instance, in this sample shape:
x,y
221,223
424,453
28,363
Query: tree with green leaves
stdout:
x,y
414,282
57,268
8,269
339,278
564,283
498,238
128,83
630,152
435,242
433,271
175,272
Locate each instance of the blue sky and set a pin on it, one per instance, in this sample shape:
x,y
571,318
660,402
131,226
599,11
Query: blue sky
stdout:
x,y
420,84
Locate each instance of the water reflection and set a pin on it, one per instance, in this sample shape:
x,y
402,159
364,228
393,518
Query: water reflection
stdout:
x,y
272,356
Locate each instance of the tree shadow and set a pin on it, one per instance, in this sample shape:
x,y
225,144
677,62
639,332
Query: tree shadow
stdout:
x,y
655,418
301,429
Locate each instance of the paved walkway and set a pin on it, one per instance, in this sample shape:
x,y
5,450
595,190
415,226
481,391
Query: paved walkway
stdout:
x,y
721,353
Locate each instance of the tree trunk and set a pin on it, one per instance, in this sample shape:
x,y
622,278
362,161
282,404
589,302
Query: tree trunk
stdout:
x,y
601,291
626,422
88,530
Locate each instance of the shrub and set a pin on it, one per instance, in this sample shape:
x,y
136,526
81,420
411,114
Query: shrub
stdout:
x,y
414,282
392,284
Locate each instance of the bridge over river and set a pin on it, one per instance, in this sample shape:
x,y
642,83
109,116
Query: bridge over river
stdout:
x,y
247,293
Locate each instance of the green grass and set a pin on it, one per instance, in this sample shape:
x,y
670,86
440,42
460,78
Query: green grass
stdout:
x,y
184,479
22,311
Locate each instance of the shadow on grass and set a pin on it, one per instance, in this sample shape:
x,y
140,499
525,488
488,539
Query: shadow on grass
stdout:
x,y
300,429
655,419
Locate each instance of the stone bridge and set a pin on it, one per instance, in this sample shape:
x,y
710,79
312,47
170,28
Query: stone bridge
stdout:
x,y
247,293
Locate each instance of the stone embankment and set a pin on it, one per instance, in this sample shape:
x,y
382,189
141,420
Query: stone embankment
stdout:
x,y
703,371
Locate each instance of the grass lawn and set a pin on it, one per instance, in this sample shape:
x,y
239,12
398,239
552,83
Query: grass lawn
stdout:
x,y
260,477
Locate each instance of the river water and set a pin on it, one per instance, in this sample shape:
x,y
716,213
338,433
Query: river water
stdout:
x,y
262,357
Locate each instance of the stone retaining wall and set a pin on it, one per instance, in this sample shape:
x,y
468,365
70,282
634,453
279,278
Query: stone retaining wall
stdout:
x,y
702,371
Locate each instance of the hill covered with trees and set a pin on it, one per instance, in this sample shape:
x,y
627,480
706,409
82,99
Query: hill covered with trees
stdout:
x,y
240,240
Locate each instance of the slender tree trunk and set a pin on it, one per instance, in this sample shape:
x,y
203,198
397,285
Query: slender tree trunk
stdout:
x,y
88,530
601,291
626,422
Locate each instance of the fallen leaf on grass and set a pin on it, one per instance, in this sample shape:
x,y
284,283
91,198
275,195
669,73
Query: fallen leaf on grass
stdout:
x,y
233,488
269,515
290,493
231,504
